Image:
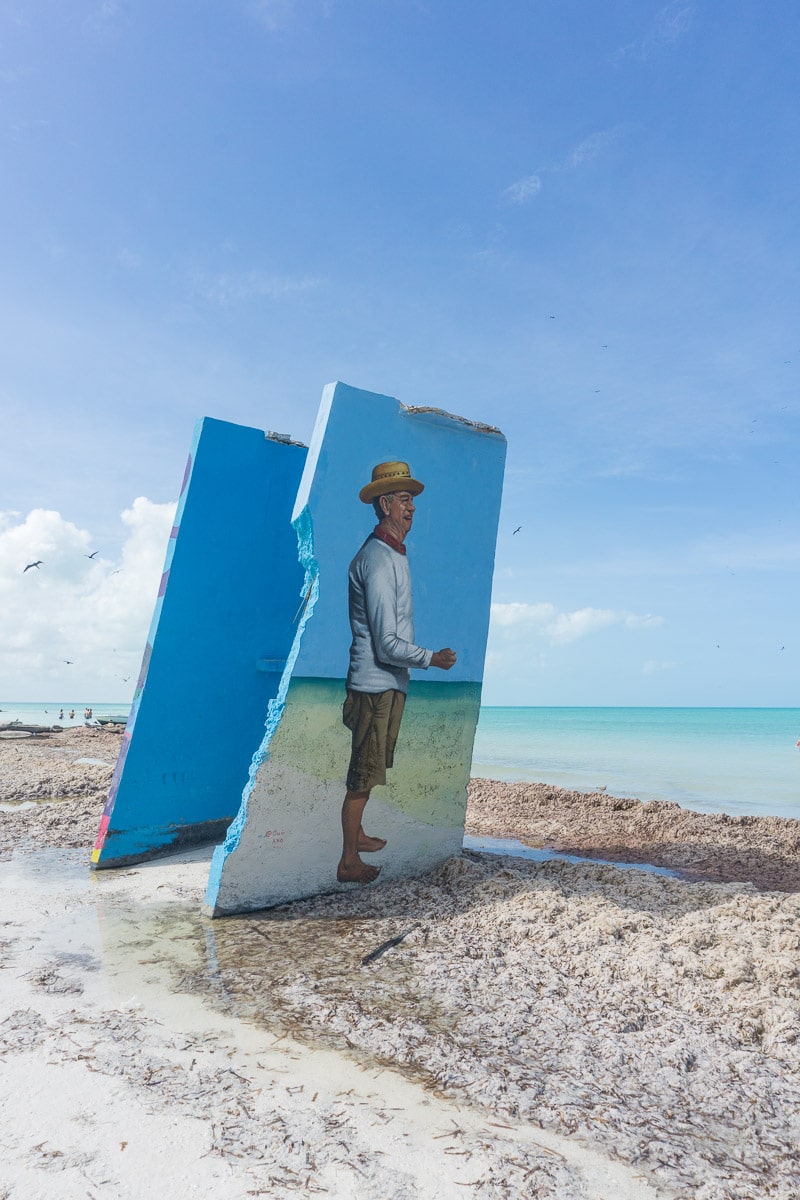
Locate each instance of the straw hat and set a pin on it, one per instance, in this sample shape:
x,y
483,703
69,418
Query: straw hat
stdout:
x,y
390,477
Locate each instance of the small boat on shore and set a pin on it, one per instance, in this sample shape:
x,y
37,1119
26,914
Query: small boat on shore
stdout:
x,y
111,720
18,727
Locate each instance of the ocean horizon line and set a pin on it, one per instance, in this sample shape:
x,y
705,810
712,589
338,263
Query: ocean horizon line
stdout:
x,y
561,707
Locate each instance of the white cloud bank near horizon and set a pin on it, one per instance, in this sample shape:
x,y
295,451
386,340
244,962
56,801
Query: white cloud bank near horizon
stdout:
x,y
76,626
546,621
537,652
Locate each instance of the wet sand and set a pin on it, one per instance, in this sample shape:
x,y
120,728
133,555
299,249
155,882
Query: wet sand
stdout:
x,y
556,1030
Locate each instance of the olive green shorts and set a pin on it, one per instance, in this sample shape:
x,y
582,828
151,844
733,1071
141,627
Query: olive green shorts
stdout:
x,y
374,721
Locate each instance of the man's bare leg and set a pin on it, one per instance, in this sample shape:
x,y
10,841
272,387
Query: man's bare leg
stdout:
x,y
351,869
367,844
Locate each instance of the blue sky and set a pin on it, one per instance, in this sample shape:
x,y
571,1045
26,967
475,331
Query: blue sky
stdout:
x,y
575,220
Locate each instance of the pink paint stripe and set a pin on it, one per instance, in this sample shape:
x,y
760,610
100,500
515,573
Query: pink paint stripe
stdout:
x,y
101,833
186,474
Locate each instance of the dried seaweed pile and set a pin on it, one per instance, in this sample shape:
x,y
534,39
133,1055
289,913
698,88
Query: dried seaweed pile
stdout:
x,y
47,768
764,851
656,1018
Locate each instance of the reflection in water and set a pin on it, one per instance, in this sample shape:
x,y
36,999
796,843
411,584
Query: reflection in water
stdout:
x,y
303,976
510,847
294,971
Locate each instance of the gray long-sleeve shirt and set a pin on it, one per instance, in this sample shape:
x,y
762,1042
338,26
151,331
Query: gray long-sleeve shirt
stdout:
x,y
382,621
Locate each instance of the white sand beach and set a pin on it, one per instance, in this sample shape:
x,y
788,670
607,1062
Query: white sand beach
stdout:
x,y
552,1030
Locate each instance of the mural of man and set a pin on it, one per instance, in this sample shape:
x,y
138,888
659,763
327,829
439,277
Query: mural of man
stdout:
x,y
381,655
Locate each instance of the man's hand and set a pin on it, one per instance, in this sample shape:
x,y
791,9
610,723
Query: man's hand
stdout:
x,y
444,659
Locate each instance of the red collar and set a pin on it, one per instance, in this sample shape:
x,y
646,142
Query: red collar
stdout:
x,y
389,538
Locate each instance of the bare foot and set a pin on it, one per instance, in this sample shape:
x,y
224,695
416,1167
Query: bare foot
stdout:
x,y
369,845
356,872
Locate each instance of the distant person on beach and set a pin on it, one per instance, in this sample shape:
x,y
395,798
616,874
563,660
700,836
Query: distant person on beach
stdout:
x,y
72,714
61,714
381,653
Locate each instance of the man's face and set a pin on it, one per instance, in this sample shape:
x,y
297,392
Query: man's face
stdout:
x,y
400,511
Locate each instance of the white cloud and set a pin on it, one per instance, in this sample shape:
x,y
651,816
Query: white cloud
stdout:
x,y
590,148
569,627
272,14
516,613
545,621
235,288
76,626
647,621
654,666
131,260
527,188
523,190
668,27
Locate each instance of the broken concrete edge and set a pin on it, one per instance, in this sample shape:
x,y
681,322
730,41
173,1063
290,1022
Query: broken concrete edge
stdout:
x,y
285,439
309,594
174,839
446,417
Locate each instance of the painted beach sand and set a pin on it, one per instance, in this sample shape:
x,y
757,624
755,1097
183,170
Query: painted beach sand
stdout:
x,y
420,811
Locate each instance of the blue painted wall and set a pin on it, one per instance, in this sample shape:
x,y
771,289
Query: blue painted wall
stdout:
x,y
286,840
223,625
451,543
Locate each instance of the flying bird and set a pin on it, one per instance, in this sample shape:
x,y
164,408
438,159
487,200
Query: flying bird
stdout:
x,y
68,661
517,530
37,564
92,554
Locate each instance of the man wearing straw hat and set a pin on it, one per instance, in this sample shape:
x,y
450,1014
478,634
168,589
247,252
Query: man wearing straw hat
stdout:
x,y
381,655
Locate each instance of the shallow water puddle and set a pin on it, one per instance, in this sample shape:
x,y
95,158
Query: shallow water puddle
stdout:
x,y
50,868
516,849
288,986
245,967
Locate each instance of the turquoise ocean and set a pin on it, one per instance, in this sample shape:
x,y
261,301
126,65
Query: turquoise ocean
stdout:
x,y
734,760
48,712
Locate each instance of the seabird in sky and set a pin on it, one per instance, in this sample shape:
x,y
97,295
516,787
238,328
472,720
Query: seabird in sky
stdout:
x,y
37,564
517,530
92,554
